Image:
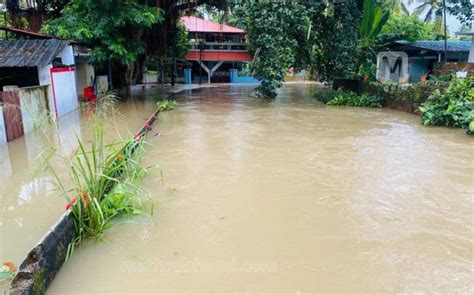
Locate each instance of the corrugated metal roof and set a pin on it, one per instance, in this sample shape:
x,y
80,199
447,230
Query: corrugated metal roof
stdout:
x,y
30,53
196,24
453,46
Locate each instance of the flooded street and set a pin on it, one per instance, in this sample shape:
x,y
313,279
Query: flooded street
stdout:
x,y
29,202
284,196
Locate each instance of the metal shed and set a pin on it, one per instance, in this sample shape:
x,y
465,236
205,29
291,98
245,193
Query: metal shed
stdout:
x,y
30,53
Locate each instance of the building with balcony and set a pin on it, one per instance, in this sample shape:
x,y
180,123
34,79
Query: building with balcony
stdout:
x,y
216,49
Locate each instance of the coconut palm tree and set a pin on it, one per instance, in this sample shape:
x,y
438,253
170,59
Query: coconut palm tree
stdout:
x,y
431,9
396,6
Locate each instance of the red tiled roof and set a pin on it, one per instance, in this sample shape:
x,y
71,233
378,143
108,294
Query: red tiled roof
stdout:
x,y
196,24
219,55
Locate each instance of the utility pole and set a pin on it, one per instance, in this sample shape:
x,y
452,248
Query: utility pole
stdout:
x,y
4,10
175,39
201,48
111,85
445,32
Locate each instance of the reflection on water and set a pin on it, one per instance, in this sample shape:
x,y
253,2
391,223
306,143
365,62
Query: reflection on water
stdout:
x,y
28,202
291,196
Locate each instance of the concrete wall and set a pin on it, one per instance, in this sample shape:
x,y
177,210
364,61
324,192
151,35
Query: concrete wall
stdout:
x,y
234,78
471,52
418,67
34,107
84,76
102,83
150,77
44,74
3,133
65,93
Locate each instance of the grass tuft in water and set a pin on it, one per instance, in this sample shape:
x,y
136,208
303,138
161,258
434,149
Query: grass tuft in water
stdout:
x,y
106,182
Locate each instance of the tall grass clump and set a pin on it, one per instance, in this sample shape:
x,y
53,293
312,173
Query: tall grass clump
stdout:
x,y
105,183
104,106
106,103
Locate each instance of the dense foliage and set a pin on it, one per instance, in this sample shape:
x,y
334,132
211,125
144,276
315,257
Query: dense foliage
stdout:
x,y
334,39
411,28
113,29
373,20
320,36
453,107
272,26
348,98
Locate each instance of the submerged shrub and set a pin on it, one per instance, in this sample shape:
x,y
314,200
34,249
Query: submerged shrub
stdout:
x,y
453,107
166,105
348,98
326,95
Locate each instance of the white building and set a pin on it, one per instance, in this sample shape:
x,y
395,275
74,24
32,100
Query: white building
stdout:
x,y
471,51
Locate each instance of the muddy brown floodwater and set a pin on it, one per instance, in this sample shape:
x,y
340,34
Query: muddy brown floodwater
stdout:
x,y
290,196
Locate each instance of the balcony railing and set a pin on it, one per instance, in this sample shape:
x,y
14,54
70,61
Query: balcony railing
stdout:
x,y
228,46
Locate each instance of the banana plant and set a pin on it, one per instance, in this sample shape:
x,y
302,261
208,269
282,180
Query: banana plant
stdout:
x,y
373,20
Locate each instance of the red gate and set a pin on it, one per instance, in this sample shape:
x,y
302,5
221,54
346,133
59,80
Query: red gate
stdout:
x,y
12,114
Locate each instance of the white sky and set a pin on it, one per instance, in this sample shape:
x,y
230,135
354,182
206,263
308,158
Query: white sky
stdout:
x,y
452,22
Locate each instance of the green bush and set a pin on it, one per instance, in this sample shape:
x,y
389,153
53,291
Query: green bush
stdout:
x,y
453,107
325,96
348,98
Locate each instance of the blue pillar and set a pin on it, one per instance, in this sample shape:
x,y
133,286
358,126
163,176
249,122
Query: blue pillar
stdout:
x,y
233,75
187,76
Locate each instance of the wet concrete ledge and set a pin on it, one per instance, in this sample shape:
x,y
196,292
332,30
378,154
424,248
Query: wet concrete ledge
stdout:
x,y
43,262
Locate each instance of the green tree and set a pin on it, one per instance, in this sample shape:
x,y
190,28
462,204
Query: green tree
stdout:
x,y
464,29
411,28
395,6
112,29
271,27
317,35
373,20
429,9
334,38
433,10
182,41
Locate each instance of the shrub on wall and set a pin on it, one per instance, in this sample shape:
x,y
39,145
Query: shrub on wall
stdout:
x,y
349,98
407,98
453,107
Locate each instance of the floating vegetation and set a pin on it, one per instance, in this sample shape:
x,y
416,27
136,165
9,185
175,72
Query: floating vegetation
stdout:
x,y
106,184
166,105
